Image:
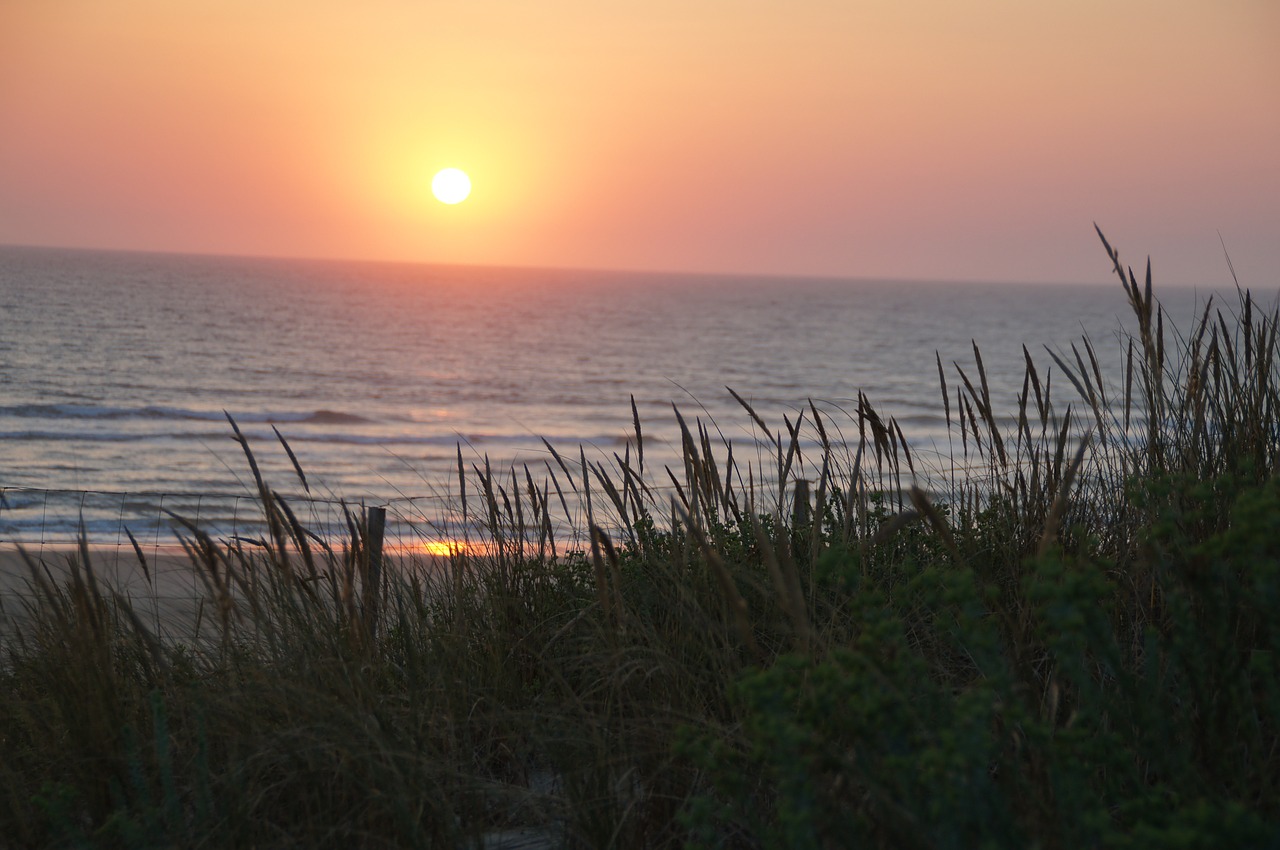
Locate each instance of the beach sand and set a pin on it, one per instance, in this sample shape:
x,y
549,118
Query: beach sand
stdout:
x,y
169,596
166,596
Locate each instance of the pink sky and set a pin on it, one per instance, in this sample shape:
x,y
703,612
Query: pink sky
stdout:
x,y
885,138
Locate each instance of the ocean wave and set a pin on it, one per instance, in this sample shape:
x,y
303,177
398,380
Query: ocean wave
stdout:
x,y
83,436
64,411
317,437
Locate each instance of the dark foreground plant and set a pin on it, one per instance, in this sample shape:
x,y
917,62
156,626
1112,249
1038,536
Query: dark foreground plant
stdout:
x,y
1070,642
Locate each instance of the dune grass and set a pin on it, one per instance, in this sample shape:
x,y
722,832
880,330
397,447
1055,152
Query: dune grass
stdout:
x,y
1063,636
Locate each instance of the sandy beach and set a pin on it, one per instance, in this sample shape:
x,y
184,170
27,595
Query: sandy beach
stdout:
x,y
168,595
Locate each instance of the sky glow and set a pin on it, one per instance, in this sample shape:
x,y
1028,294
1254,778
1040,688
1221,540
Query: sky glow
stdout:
x,y
884,138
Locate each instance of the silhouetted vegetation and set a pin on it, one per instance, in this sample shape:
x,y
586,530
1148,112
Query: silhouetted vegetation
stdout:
x,y
1064,636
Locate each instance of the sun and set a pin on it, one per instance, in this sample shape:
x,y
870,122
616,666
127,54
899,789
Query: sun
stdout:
x,y
451,186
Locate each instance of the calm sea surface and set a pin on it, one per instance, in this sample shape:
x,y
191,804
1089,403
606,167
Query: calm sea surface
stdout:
x,y
116,369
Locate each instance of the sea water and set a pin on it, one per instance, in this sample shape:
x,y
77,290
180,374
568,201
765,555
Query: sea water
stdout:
x,y
119,371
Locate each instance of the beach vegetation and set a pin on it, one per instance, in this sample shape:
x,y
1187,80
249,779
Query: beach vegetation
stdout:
x,y
1062,635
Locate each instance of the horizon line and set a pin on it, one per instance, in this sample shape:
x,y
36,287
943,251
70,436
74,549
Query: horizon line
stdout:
x,y
655,272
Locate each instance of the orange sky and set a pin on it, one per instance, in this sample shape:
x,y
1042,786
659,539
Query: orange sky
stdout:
x,y
902,138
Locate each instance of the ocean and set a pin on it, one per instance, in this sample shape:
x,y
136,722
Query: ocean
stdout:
x,y
118,372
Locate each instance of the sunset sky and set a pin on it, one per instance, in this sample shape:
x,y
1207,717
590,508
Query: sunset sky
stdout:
x,y
887,138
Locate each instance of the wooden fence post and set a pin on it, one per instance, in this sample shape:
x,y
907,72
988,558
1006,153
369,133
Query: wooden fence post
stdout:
x,y
800,506
800,519
375,528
